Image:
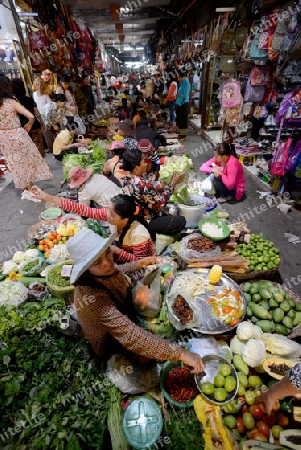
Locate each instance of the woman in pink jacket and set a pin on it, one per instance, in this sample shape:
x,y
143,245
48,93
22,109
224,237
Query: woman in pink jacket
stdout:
x,y
229,180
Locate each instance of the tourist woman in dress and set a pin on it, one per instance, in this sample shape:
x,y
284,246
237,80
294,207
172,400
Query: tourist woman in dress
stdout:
x,y
23,158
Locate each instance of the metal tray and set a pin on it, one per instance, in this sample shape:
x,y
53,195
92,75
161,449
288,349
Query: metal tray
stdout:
x,y
212,363
208,324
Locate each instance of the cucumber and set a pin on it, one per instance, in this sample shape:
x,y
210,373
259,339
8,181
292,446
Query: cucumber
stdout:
x,y
266,325
28,280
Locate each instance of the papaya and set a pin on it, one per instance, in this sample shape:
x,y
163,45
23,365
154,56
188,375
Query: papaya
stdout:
x,y
266,325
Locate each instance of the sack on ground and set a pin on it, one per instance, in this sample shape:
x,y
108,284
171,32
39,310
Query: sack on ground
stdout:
x,y
131,379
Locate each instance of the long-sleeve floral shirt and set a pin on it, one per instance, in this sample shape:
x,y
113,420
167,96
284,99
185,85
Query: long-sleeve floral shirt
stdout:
x,y
150,195
52,116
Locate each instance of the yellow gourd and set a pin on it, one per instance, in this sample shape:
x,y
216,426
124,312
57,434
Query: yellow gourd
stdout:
x,y
215,274
216,435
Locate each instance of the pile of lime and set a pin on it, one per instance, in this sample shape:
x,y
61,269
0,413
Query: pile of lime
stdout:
x,y
260,252
223,384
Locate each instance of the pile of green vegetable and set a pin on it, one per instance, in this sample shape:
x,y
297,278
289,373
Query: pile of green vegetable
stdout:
x,y
98,229
271,307
51,393
260,252
94,161
183,430
55,278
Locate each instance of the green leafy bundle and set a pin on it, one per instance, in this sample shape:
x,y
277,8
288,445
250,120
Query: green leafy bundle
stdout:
x,y
52,396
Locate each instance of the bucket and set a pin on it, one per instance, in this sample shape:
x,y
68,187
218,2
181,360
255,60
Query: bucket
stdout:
x,y
192,214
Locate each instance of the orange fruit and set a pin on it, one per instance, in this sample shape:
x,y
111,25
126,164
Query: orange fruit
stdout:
x,y
42,247
42,242
59,237
51,244
46,255
49,234
55,241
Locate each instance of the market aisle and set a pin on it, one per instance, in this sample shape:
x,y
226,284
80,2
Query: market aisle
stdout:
x,y
259,216
255,212
17,215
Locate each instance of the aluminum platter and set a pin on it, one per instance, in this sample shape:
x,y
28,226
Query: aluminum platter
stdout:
x,y
204,320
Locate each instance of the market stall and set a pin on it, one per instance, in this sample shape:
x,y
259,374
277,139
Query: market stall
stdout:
x,y
215,299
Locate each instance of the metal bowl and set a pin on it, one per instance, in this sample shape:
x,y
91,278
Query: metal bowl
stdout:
x,y
212,363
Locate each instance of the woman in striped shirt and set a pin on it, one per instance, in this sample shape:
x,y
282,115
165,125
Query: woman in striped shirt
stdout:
x,y
134,241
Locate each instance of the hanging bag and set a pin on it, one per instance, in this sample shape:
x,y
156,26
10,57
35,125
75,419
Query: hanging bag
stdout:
x,y
254,94
241,35
215,38
227,45
37,39
280,155
255,51
259,76
231,94
227,63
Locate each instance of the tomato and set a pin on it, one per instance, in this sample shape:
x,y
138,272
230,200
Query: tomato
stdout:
x,y
42,247
282,420
250,432
55,241
42,242
269,419
59,237
245,407
240,425
256,411
263,428
276,430
46,255
259,436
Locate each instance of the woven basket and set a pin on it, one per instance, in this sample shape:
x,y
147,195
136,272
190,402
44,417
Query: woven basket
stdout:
x,y
297,330
255,274
32,232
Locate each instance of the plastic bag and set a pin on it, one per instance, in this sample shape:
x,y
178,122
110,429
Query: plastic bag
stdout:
x,y
35,269
207,185
147,300
37,291
188,253
174,319
131,379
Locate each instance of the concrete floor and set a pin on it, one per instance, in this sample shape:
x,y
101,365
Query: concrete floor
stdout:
x,y
17,215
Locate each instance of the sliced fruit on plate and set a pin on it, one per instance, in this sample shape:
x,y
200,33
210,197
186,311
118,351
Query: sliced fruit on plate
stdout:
x,y
277,367
291,438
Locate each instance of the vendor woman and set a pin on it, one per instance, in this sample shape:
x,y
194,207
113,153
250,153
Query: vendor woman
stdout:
x,y
100,294
134,241
229,180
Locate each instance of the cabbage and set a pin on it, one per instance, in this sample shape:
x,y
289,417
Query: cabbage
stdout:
x,y
19,257
9,267
31,253
174,164
254,352
245,331
236,345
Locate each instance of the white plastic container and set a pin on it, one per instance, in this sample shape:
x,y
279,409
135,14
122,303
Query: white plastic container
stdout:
x,y
192,214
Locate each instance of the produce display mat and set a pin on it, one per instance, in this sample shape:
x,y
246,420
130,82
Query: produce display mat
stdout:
x,y
215,307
